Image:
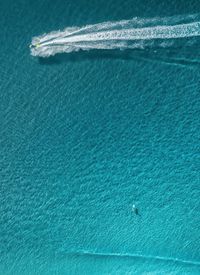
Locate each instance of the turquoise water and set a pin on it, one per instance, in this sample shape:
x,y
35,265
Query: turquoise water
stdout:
x,y
85,136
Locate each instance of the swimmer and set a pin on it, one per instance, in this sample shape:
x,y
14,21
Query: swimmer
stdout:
x,y
135,210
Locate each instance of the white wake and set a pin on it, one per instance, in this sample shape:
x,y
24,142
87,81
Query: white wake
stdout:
x,y
127,34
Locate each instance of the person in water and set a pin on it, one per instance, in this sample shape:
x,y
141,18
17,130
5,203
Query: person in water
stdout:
x,y
135,210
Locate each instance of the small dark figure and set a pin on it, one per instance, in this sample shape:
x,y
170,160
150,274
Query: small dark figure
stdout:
x,y
135,210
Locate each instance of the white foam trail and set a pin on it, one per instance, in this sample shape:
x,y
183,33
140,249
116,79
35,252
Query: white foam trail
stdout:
x,y
126,34
144,257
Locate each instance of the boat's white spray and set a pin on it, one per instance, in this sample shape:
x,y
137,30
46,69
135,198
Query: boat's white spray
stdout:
x,y
126,34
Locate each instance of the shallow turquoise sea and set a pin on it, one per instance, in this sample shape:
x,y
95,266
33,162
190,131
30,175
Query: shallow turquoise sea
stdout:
x,y
84,136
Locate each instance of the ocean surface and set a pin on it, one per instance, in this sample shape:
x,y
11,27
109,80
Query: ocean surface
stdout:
x,y
85,135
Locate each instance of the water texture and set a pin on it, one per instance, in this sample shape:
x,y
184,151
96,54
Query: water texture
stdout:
x,y
85,135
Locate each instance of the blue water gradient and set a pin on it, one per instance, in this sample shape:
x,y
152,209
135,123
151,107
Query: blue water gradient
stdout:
x,y
87,135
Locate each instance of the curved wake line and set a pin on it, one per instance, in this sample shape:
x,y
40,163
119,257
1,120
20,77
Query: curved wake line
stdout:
x,y
125,34
145,257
